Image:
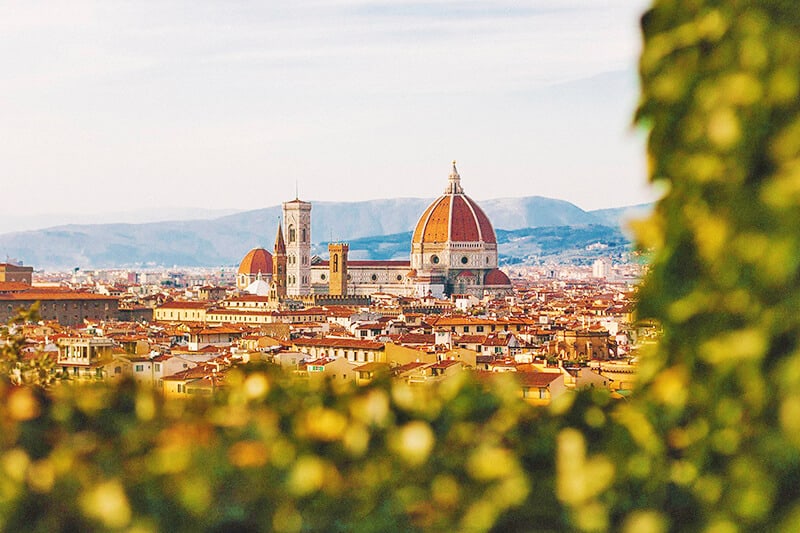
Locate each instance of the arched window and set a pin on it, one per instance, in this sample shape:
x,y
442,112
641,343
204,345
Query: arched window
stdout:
x,y
336,262
292,233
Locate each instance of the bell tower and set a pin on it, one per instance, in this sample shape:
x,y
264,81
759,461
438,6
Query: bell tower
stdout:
x,y
279,265
297,224
337,269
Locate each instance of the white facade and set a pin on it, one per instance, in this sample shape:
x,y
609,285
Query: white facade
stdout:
x,y
297,235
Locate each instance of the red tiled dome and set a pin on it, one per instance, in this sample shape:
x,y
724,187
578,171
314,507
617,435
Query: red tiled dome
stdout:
x,y
496,278
453,217
257,260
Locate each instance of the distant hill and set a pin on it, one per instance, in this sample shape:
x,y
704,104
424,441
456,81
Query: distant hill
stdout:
x,y
11,223
383,225
620,217
515,246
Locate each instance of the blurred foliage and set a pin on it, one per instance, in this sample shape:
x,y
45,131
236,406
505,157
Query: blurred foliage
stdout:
x,y
272,454
709,442
718,412
20,366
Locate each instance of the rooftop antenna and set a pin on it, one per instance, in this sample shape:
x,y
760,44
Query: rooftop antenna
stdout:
x,y
296,190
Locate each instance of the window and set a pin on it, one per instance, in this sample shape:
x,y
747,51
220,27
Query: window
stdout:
x,y
374,277
435,259
466,329
464,260
303,235
157,367
292,233
322,277
399,277
479,329
139,368
335,263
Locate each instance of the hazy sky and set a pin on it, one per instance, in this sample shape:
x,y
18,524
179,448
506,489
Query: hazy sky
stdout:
x,y
114,106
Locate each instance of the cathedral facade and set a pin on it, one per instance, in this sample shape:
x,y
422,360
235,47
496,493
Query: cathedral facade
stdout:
x,y
453,251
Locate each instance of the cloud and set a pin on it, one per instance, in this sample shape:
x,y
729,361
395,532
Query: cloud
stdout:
x,y
198,91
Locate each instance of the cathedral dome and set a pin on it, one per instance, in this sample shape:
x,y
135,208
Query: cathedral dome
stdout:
x,y
496,278
453,217
257,261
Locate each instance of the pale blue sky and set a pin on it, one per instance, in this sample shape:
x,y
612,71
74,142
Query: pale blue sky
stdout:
x,y
113,105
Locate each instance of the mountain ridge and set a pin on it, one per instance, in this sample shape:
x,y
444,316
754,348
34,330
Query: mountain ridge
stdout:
x,y
224,240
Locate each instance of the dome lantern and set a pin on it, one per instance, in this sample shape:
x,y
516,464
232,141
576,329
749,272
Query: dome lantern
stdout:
x,y
454,182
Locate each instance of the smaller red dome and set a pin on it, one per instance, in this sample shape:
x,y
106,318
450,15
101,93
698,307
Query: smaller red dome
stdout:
x,y
496,278
257,260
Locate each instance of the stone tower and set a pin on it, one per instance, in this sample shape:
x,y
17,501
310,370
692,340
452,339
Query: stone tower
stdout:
x,y
337,269
297,224
279,265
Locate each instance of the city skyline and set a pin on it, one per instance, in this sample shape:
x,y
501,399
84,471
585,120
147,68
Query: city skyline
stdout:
x,y
237,107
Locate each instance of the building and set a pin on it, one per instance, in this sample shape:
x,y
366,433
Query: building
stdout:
x,y
601,268
278,287
178,311
256,265
16,273
88,359
297,221
454,248
453,251
67,307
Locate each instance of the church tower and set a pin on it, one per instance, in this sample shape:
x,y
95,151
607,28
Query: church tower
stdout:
x,y
297,221
337,269
279,265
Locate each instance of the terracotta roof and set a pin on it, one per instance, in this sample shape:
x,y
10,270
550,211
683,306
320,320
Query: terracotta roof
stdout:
x,y
497,340
496,277
416,338
447,363
13,286
248,298
536,379
372,367
408,367
257,260
339,343
454,216
183,305
218,330
50,294
470,339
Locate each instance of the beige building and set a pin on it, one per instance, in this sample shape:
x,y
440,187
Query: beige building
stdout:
x,y
87,358
181,312
354,350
